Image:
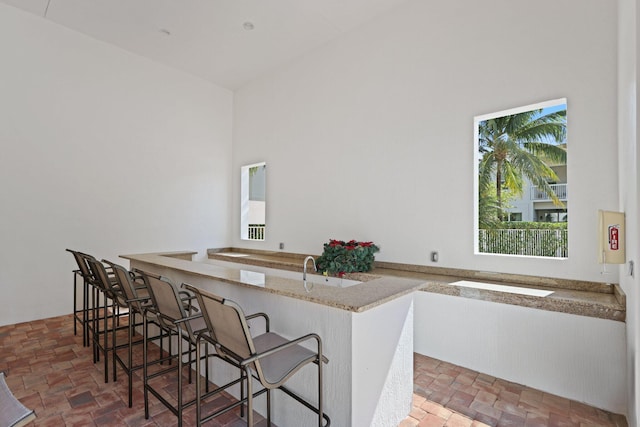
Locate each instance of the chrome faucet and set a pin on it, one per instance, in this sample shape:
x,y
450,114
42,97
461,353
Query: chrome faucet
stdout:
x,y
304,272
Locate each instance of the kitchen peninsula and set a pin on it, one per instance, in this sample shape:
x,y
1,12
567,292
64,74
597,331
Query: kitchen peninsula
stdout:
x,y
366,328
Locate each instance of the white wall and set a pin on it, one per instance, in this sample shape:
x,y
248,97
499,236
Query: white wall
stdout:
x,y
101,151
576,357
629,117
371,136
382,364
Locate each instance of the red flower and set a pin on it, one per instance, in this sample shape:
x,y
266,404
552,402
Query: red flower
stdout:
x,y
366,244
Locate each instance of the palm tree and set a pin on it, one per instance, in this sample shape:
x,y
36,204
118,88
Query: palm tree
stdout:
x,y
521,145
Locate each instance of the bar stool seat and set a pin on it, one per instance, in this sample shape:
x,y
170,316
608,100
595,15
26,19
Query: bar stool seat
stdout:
x,y
279,366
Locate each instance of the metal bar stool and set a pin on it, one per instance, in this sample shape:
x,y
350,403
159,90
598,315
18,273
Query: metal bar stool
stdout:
x,y
175,311
114,299
137,299
81,315
269,358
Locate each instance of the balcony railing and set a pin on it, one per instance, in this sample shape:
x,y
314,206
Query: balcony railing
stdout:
x,y
256,231
560,191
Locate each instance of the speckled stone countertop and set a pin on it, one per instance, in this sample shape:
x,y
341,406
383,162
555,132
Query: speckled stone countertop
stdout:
x,y
593,299
357,298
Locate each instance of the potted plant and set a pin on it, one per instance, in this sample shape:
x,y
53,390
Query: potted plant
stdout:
x,y
340,257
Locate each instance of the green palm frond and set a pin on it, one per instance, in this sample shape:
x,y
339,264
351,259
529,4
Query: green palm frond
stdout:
x,y
517,146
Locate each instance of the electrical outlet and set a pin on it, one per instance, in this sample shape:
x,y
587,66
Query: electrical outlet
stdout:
x,y
434,256
281,245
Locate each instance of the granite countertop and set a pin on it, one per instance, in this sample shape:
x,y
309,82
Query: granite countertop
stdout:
x,y
593,299
376,290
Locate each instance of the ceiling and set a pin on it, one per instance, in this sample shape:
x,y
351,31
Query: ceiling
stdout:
x,y
207,38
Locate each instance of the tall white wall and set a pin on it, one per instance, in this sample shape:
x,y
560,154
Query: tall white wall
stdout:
x,y
628,136
100,151
371,136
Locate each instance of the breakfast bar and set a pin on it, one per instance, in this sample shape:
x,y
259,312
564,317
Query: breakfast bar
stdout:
x,y
366,328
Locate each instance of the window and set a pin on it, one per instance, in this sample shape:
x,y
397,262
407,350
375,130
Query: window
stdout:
x,y
515,216
521,181
253,201
551,215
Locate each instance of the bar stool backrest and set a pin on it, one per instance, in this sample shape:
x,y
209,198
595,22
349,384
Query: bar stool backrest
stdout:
x,y
105,283
81,260
227,325
165,297
128,286
94,278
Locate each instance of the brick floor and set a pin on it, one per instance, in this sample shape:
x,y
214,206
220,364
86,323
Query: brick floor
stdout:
x,y
50,371
449,395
